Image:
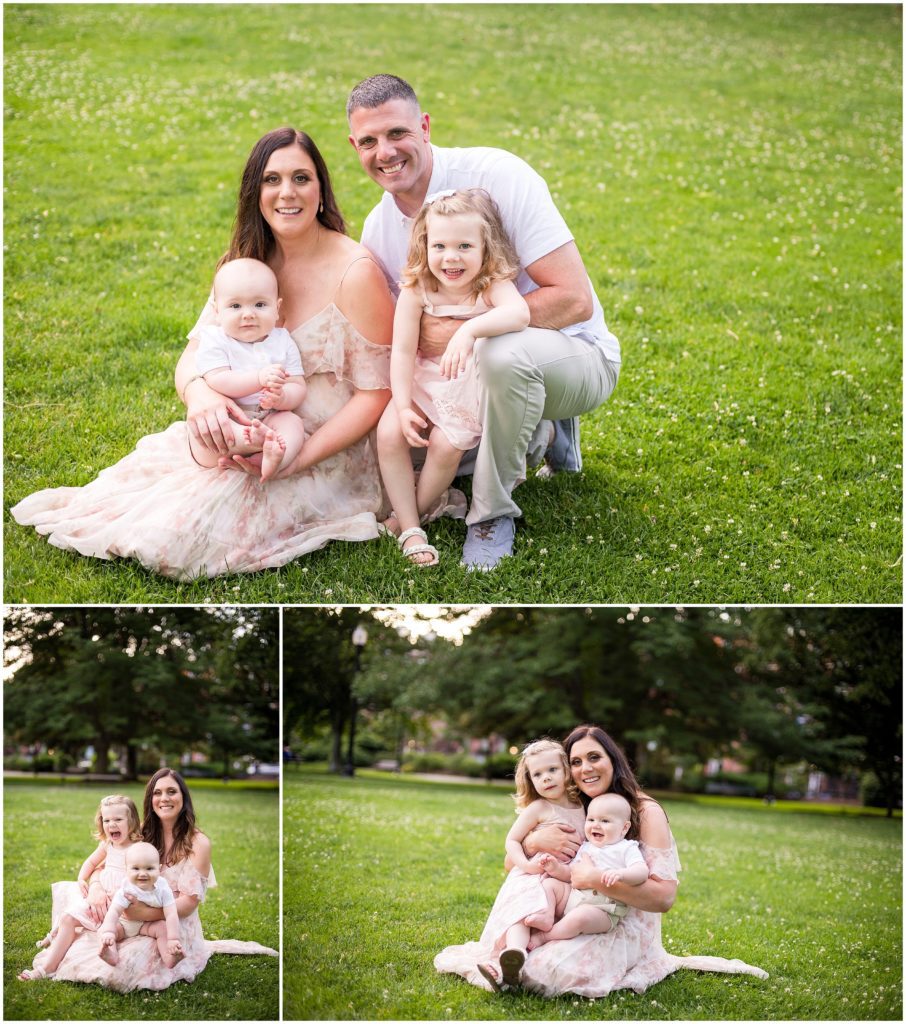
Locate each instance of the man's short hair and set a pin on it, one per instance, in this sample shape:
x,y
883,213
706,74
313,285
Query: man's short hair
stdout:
x,y
377,90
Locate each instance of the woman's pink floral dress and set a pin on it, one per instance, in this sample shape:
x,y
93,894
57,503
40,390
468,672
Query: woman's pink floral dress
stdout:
x,y
630,956
140,965
159,507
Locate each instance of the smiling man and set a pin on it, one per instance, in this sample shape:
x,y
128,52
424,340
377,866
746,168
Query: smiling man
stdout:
x,y
565,363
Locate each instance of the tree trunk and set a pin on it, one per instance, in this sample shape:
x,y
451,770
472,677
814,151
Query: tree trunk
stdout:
x,y
102,748
131,761
772,767
336,744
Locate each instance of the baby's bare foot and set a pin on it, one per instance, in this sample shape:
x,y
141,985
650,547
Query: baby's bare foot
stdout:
x,y
537,939
272,452
109,954
255,435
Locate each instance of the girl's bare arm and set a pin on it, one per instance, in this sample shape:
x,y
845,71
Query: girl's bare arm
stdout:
x,y
527,820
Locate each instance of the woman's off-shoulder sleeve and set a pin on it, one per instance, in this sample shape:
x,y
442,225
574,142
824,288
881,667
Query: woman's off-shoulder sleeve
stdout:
x,y
185,879
330,344
663,862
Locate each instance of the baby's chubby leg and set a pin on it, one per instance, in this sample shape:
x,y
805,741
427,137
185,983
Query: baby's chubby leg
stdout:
x,y
107,950
587,920
158,931
556,893
285,435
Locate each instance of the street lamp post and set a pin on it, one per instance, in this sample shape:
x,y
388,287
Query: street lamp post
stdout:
x,y
359,639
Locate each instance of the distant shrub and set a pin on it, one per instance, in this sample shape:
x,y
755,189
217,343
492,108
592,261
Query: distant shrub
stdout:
x,y
497,766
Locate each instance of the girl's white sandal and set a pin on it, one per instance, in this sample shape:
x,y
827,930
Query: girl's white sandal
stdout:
x,y
34,974
418,549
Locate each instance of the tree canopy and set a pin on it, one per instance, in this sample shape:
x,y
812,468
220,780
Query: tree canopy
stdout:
x,y
774,686
172,679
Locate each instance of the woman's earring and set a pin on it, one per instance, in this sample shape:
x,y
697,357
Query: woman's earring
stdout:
x,y
321,206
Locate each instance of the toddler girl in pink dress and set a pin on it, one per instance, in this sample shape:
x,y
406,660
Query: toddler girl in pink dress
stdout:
x,y
117,827
457,288
545,792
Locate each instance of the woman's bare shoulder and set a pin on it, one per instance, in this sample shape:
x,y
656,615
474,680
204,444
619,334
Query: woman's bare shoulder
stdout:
x,y
364,297
200,854
201,843
654,828
359,265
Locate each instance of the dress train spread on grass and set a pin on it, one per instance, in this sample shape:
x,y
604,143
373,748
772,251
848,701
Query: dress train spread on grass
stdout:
x,y
630,956
140,965
158,506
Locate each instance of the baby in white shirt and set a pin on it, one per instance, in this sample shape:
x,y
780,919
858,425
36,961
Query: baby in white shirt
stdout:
x,y
588,912
246,357
144,885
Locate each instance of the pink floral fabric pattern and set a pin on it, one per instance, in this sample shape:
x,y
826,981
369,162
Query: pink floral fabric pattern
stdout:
x,y
159,507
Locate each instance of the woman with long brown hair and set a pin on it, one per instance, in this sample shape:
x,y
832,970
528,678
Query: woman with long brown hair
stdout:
x,y
185,855
157,505
631,955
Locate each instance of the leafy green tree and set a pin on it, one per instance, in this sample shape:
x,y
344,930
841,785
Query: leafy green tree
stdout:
x,y
135,677
852,660
320,663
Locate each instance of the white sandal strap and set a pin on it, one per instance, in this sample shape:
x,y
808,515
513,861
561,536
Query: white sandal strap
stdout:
x,y
420,549
413,531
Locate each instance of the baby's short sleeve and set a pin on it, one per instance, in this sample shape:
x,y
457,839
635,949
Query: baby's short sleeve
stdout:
x,y
290,356
212,349
632,854
165,892
118,900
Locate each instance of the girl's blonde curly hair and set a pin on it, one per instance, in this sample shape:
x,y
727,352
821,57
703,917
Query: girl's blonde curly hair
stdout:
x,y
133,824
525,788
499,263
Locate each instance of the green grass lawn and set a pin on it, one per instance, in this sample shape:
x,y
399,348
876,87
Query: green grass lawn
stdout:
x,y
380,875
731,173
47,835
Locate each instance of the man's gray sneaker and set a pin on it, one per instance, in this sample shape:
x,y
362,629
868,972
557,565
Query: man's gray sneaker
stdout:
x,y
488,542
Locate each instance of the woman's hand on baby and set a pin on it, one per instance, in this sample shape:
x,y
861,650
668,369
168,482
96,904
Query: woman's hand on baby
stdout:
x,y
210,418
410,424
456,356
585,875
98,902
246,465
